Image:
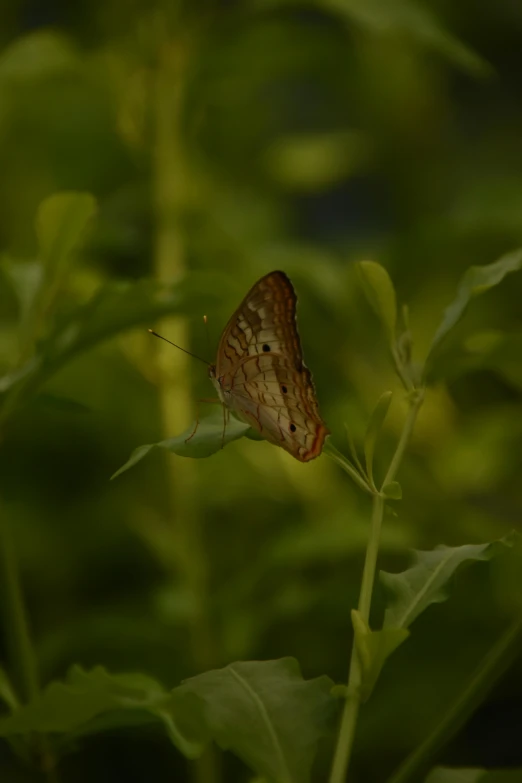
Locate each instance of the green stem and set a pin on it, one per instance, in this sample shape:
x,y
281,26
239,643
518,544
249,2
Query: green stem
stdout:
x,y
488,673
352,703
21,649
171,192
409,424
171,184
16,625
406,382
341,460
353,698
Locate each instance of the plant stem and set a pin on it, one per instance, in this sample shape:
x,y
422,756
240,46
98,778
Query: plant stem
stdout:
x,y
342,461
353,698
21,649
171,185
16,625
399,368
496,662
352,703
409,424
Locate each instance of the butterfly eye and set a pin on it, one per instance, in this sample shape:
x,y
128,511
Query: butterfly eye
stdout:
x,y
284,389
292,428
266,348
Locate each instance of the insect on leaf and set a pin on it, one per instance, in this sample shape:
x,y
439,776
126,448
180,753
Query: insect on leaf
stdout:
x,y
207,440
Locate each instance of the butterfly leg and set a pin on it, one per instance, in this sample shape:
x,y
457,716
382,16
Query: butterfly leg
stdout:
x,y
203,399
226,417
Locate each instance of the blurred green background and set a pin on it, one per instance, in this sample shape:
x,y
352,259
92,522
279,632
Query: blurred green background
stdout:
x,y
223,140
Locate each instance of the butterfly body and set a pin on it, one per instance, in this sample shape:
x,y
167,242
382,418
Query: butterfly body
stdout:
x,y
260,374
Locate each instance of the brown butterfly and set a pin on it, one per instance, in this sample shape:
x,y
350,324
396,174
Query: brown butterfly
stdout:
x,y
260,374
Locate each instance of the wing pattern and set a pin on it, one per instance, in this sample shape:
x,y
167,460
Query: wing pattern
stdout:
x,y
261,372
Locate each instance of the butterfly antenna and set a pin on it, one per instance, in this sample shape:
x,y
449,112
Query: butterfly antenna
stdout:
x,y
179,346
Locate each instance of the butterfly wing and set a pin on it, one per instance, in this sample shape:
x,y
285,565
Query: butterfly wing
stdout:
x,y
261,370
279,401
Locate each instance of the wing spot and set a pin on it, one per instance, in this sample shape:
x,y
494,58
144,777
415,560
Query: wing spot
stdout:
x,y
293,428
284,389
266,348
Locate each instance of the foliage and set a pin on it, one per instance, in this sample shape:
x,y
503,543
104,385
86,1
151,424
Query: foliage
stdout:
x,y
155,163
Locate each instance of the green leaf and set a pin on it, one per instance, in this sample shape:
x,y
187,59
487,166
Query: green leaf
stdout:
x,y
253,434
427,582
39,55
374,429
414,20
24,278
476,280
69,706
61,222
353,451
373,648
380,293
207,440
115,308
264,712
343,462
7,694
392,491
404,18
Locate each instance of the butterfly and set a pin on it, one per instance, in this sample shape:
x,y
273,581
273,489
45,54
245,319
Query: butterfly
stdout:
x,y
259,372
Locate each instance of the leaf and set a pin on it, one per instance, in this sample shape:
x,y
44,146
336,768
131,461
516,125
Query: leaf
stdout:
x,y
392,491
373,430
115,308
343,462
7,694
253,434
404,18
476,280
412,591
413,20
207,441
66,707
380,293
353,451
25,278
264,712
38,55
373,648
61,221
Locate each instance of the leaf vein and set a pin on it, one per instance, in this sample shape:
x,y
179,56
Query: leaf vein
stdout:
x,y
266,720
